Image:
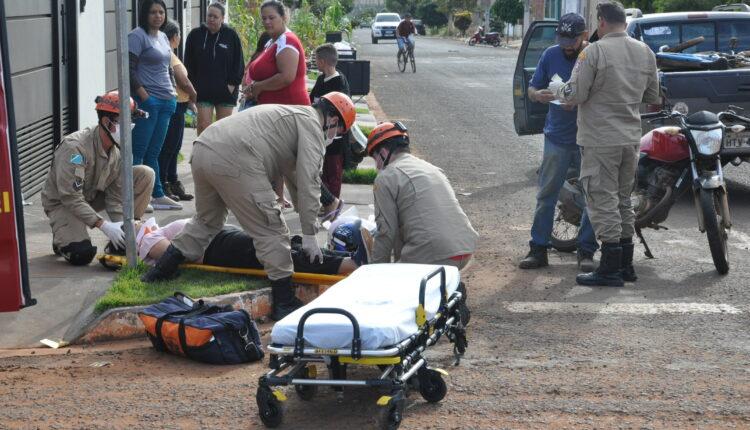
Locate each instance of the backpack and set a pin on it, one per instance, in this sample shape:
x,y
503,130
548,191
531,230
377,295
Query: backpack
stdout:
x,y
207,333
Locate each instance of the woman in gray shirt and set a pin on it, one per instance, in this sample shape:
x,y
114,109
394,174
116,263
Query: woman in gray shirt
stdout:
x,y
151,85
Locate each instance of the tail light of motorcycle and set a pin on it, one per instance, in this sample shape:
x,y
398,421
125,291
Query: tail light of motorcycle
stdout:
x,y
665,144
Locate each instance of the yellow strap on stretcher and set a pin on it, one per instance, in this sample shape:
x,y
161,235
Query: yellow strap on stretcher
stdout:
x,y
370,361
421,315
305,278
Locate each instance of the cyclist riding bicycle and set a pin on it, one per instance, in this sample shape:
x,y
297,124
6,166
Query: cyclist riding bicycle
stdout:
x,y
405,33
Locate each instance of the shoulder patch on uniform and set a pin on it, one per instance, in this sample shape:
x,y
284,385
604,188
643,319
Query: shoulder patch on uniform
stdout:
x,y
77,184
76,159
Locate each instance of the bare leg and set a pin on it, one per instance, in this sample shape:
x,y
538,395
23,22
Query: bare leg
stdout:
x,y
347,266
223,111
205,117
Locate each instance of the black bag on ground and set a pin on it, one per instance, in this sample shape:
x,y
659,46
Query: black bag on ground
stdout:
x,y
207,333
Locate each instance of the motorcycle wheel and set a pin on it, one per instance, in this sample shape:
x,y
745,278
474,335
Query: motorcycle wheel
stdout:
x,y
401,59
472,42
496,43
715,230
564,234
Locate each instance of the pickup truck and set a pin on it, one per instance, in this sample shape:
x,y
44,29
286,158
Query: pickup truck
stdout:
x,y
711,90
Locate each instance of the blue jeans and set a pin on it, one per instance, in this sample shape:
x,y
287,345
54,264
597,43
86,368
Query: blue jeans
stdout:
x,y
149,134
172,145
556,161
402,41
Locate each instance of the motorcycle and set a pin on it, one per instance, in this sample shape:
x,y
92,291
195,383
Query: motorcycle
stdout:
x,y
673,160
492,38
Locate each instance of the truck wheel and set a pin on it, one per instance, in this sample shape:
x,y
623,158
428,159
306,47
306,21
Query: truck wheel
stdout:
x,y
374,40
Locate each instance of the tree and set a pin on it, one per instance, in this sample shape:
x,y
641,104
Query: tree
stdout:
x,y
685,5
462,21
646,6
507,10
401,6
430,15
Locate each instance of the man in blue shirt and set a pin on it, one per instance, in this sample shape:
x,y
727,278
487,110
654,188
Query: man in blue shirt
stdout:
x,y
560,150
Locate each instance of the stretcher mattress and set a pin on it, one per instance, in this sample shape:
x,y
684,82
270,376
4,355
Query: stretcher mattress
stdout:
x,y
382,297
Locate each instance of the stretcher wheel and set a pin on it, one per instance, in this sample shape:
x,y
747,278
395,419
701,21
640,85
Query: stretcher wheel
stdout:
x,y
431,385
269,407
393,413
306,392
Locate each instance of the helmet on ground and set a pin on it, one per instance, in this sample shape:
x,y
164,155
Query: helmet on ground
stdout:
x,y
344,106
347,237
110,102
385,131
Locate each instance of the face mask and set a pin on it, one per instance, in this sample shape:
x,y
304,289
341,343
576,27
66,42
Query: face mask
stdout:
x,y
116,134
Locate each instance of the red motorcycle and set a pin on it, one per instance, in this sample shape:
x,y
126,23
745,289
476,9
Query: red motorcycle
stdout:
x,y
492,38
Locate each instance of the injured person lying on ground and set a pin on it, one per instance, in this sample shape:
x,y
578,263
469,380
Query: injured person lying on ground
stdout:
x,y
232,247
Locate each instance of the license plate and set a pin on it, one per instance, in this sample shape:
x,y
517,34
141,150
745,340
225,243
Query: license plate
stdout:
x,y
389,33
737,140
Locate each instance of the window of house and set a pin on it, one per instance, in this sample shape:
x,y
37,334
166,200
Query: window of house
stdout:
x,y
552,9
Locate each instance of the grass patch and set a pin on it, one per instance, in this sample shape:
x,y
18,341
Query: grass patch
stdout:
x,y
363,110
360,176
180,157
128,290
312,75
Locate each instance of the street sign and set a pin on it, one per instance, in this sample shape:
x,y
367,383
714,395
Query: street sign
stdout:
x,y
14,277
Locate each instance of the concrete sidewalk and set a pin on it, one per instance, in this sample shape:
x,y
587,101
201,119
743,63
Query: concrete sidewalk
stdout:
x,y
66,294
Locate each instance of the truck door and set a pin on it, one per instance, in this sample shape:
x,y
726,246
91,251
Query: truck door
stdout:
x,y
528,116
14,278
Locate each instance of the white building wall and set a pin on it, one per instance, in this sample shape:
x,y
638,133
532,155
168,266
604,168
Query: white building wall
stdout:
x,y
91,60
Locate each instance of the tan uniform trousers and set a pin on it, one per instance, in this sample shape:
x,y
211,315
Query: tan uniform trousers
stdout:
x,y
221,186
67,228
607,175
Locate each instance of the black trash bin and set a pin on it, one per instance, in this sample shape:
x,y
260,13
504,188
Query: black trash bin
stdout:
x,y
333,37
357,72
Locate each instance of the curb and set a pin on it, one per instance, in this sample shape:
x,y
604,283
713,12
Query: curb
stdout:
x,y
123,323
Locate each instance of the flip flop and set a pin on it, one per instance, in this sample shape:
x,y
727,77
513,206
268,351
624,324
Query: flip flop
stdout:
x,y
331,216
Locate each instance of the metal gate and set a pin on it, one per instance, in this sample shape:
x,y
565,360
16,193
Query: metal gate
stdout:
x,y
41,35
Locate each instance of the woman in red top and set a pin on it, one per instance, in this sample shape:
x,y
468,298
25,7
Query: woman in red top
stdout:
x,y
279,73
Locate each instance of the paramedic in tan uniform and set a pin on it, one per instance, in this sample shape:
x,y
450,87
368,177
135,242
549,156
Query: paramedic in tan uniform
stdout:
x,y
233,163
610,80
417,214
85,179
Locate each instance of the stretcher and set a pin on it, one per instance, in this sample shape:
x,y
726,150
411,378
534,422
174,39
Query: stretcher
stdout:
x,y
382,315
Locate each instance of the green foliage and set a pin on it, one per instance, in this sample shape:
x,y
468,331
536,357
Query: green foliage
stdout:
x,y
462,21
646,6
429,12
401,6
244,17
507,11
128,290
365,129
360,176
685,5
450,7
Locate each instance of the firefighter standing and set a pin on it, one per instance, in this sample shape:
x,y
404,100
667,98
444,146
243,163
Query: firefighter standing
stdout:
x,y
234,162
418,217
610,80
85,179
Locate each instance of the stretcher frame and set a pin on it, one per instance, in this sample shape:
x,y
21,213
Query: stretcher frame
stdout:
x,y
403,366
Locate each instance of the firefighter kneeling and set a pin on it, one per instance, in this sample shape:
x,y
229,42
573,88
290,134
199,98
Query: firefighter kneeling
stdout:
x,y
417,214
85,179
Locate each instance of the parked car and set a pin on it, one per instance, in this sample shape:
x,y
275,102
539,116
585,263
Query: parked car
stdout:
x,y
384,26
631,13
420,27
711,90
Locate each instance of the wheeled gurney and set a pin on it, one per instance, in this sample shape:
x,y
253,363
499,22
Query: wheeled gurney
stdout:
x,y
383,315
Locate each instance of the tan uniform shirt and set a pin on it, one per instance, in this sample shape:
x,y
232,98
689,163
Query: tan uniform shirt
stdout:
x,y
610,80
290,143
81,169
417,214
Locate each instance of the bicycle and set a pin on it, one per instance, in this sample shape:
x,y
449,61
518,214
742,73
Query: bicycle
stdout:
x,y
406,54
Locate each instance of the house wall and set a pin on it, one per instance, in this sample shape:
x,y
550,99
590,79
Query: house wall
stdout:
x,y
91,60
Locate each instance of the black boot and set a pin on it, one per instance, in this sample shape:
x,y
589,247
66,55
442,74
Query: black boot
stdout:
x,y
608,272
166,267
585,261
536,258
179,191
169,191
284,301
627,271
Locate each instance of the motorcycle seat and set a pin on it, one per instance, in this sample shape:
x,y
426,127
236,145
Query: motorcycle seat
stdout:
x,y
702,118
494,33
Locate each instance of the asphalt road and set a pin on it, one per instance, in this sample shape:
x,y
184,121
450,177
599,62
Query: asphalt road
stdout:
x,y
673,347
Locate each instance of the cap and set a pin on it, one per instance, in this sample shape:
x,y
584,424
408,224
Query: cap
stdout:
x,y
570,26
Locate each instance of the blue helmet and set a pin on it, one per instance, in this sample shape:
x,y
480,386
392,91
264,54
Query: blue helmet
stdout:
x,y
347,237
